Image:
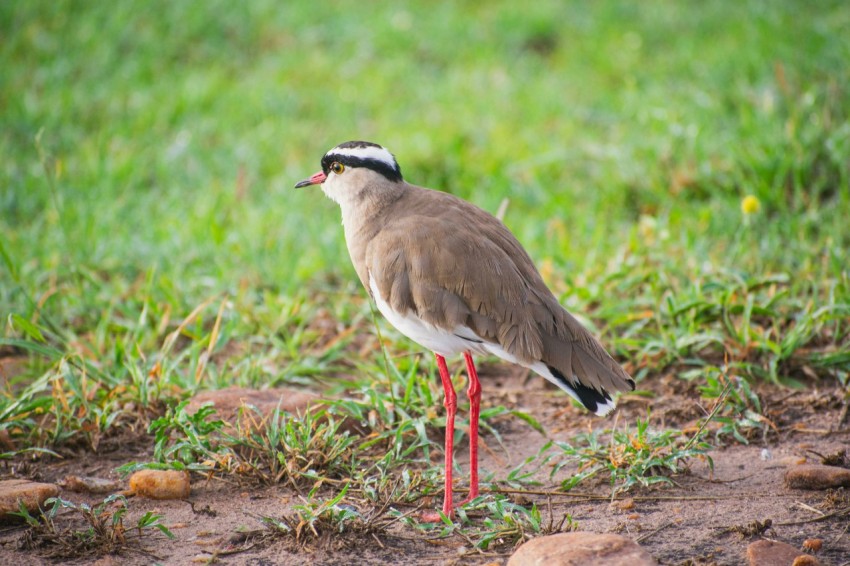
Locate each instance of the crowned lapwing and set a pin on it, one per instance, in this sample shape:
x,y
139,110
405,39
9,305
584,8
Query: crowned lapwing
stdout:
x,y
452,277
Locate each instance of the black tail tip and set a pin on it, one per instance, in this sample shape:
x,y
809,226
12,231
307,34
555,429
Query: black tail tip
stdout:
x,y
591,398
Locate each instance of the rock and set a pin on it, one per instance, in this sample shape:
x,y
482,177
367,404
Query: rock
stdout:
x,y
32,494
161,484
85,484
791,461
579,549
622,505
774,553
817,476
228,402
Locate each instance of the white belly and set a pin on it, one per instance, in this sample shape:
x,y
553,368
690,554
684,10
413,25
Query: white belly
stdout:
x,y
436,339
451,343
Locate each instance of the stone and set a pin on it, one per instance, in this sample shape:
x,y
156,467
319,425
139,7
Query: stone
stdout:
x,y
774,553
84,484
622,505
228,401
788,461
817,476
581,549
32,494
161,484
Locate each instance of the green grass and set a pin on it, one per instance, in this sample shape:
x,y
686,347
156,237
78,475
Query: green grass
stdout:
x,y
643,457
151,244
103,531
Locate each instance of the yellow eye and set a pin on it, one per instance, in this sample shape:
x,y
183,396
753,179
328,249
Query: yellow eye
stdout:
x,y
337,167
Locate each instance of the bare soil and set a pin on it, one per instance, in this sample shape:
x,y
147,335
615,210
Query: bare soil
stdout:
x,y
706,518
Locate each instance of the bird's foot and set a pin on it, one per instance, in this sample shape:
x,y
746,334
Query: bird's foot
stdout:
x,y
432,516
468,499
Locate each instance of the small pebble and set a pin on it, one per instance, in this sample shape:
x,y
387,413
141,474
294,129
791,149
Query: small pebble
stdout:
x,y
570,549
817,476
774,553
85,484
31,494
161,484
791,460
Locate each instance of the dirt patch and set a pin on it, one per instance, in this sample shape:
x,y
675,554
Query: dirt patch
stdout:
x,y
707,517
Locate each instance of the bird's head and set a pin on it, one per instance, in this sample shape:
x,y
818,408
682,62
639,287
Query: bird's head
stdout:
x,y
352,167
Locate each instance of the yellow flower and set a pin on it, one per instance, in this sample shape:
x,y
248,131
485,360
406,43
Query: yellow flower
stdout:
x,y
750,205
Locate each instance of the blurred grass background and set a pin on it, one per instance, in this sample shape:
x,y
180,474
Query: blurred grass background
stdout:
x,y
148,152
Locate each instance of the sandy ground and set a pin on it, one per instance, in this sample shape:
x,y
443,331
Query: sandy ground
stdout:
x,y
694,522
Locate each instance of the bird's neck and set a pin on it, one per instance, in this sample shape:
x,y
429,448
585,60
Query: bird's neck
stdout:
x,y
363,216
366,208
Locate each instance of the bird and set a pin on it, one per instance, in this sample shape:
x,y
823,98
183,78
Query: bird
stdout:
x,y
454,279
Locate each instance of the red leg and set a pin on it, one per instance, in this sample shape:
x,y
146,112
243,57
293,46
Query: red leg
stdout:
x,y
474,394
450,403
